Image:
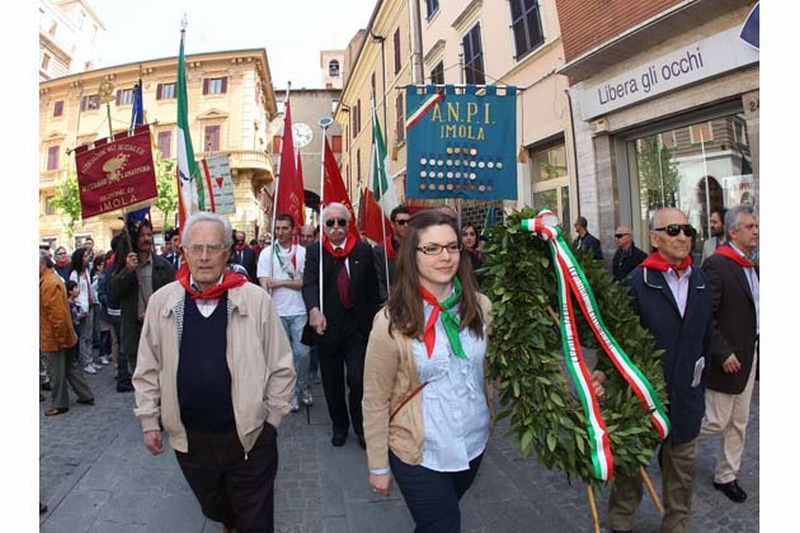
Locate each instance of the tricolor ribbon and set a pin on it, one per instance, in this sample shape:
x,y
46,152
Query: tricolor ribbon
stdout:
x,y
570,278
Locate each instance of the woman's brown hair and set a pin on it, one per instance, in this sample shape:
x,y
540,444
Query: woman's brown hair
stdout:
x,y
405,306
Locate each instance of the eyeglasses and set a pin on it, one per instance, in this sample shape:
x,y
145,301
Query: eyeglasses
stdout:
x,y
401,221
239,241
436,249
196,250
673,229
620,235
340,221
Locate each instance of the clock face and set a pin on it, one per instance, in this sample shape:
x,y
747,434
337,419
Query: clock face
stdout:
x,y
301,134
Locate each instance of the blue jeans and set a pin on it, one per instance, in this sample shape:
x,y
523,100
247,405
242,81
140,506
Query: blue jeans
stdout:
x,y
432,497
293,325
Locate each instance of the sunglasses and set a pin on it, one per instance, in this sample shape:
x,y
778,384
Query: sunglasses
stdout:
x,y
620,235
673,229
342,222
401,221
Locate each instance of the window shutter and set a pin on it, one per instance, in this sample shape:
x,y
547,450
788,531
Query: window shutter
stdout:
x,y
119,97
205,86
224,85
159,91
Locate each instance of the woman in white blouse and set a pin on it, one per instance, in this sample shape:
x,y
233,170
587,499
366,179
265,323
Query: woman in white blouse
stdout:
x,y
426,415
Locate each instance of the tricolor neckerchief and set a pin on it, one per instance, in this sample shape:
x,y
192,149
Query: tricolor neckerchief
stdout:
x,y
733,255
230,280
570,278
656,261
285,258
449,320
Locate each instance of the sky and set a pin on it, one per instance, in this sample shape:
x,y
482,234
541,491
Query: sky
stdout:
x,y
293,32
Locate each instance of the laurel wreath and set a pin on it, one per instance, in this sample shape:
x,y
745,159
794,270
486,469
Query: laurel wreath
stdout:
x,y
525,356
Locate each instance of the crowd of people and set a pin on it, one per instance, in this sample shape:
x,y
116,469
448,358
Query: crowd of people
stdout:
x,y
219,351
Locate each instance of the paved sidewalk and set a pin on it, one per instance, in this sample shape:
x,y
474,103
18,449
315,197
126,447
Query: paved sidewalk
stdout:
x,y
96,476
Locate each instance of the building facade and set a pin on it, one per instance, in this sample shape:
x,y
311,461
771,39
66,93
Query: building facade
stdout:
x,y
665,98
232,110
70,38
476,42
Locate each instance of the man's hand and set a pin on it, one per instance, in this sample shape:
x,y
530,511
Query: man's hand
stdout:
x,y
731,364
381,483
598,377
131,261
317,321
152,440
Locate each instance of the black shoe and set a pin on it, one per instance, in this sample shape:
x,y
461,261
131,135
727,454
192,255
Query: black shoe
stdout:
x,y
339,439
362,442
732,490
42,508
46,386
621,531
90,401
124,387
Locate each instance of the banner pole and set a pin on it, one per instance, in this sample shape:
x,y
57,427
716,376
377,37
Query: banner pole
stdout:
x,y
324,122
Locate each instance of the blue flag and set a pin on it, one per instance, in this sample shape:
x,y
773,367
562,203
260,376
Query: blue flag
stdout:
x,y
137,111
750,30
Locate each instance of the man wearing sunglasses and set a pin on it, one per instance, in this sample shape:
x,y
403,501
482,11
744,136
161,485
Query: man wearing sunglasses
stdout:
x,y
245,256
627,256
734,284
674,303
399,218
349,303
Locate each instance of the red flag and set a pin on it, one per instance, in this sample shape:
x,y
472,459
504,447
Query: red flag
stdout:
x,y
335,190
371,218
301,188
290,195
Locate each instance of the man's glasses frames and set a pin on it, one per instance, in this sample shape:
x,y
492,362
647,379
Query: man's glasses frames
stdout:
x,y
673,229
342,222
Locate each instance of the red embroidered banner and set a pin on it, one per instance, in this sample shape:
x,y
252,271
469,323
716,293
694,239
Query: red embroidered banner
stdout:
x,y
114,173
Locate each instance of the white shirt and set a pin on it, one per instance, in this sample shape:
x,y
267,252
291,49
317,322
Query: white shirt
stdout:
x,y
288,302
206,306
752,280
679,287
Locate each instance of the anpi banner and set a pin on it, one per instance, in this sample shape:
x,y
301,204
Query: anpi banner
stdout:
x,y
116,172
461,142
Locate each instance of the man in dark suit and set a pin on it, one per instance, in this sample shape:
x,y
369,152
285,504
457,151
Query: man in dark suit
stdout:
x,y
627,256
673,302
399,218
245,256
344,320
585,240
734,284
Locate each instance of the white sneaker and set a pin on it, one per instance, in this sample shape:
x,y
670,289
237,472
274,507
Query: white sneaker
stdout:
x,y
294,405
105,361
97,366
307,399
89,369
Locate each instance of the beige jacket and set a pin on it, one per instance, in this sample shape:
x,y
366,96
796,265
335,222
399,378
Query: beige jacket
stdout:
x,y
390,375
259,359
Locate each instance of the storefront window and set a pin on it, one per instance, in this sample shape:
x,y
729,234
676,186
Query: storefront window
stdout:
x,y
696,168
550,181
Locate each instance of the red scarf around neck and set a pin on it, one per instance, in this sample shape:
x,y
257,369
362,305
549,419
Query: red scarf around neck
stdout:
x,y
349,244
391,251
733,255
656,261
230,280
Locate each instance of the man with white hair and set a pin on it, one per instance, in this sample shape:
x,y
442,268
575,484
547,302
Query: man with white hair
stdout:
x,y
343,319
215,371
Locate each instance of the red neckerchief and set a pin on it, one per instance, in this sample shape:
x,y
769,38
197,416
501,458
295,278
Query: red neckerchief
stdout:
x,y
230,280
733,255
350,243
656,261
391,251
476,253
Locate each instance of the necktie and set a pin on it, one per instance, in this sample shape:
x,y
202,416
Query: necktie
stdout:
x,y
343,283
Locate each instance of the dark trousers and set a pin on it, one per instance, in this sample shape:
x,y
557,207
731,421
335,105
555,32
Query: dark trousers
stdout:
x,y
432,497
340,362
63,369
233,490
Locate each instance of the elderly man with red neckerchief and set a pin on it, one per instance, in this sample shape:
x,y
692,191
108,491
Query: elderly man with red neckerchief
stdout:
x,y
349,303
674,303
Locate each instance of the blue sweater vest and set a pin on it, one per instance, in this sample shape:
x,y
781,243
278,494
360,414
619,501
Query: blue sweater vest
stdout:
x,y
204,381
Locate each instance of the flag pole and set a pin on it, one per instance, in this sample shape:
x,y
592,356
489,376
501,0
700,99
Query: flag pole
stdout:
x,y
275,195
376,167
324,122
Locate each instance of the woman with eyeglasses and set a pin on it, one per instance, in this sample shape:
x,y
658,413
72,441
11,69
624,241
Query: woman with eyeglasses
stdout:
x,y
426,414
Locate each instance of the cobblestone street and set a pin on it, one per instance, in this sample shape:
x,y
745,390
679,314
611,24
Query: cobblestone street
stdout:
x,y
96,476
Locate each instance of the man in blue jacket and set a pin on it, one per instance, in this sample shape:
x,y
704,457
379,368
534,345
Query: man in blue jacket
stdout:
x,y
673,302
